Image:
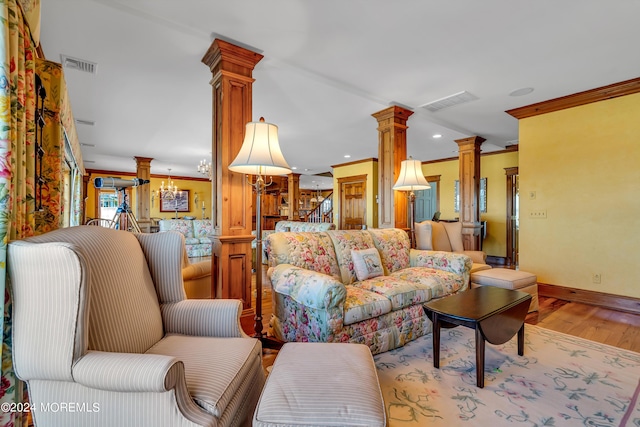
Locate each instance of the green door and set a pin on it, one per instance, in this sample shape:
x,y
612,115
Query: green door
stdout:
x,y
426,203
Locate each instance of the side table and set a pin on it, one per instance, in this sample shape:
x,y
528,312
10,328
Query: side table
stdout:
x,y
496,314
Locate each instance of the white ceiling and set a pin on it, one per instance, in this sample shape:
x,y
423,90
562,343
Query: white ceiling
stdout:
x,y
328,65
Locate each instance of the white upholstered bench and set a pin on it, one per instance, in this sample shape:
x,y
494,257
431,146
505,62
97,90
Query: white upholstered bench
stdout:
x,y
509,279
321,384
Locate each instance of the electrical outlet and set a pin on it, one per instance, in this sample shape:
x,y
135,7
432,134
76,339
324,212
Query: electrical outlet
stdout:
x,y
539,214
596,278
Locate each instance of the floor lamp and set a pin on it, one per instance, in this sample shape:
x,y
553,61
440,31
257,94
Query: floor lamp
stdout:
x,y
260,155
411,179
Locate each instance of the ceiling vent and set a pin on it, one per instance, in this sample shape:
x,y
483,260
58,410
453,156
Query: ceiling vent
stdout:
x,y
85,122
78,64
450,101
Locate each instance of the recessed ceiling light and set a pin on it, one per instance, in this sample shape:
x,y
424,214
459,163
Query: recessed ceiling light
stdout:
x,y
437,135
84,144
347,156
294,167
521,91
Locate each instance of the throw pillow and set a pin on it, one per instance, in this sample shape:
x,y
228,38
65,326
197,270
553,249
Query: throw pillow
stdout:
x,y
423,235
367,263
454,230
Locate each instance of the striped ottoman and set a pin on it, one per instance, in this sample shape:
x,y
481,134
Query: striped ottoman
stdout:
x,y
510,279
321,384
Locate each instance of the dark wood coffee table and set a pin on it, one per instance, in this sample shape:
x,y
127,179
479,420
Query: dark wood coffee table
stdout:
x,y
496,314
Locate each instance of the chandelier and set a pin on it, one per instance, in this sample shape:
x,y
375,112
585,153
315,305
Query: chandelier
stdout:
x,y
170,191
205,168
318,196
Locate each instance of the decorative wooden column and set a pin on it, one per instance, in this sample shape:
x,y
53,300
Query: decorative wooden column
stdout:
x,y
231,67
293,188
392,150
469,160
143,194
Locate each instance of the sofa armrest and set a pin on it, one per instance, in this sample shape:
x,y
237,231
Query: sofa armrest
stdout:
x,y
456,263
308,287
203,317
476,256
128,372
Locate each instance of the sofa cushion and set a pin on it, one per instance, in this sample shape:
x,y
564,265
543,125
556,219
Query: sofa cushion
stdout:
x,y
311,251
439,237
192,241
344,241
400,293
362,305
367,263
454,231
182,225
423,235
202,228
440,283
394,246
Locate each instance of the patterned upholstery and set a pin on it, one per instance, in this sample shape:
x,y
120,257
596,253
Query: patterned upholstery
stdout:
x,y
110,310
318,298
195,232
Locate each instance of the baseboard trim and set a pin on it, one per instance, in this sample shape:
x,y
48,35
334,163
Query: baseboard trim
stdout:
x,y
613,302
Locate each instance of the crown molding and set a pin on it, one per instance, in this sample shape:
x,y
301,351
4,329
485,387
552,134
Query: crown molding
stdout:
x,y
615,90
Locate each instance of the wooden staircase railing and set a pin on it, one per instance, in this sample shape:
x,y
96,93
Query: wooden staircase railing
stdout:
x,y
323,212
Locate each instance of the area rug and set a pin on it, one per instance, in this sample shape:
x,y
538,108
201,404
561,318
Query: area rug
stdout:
x,y
560,381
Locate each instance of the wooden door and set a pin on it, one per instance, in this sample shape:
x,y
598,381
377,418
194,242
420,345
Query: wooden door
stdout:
x,y
353,202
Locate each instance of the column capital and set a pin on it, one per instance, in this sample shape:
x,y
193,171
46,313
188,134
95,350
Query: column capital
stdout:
x,y
472,141
224,56
394,114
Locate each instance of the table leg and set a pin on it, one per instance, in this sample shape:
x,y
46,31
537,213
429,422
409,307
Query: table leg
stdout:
x,y
436,340
521,340
479,358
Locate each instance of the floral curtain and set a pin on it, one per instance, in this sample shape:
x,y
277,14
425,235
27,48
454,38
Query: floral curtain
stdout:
x,y
17,137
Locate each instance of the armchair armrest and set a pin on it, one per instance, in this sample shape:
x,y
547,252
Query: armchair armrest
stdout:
x,y
128,372
308,287
203,317
447,261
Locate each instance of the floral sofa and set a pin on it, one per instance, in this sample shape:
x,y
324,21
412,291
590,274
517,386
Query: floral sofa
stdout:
x,y
195,231
317,295
291,226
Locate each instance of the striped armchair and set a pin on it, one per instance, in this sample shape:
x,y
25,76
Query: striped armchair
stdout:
x,y
101,320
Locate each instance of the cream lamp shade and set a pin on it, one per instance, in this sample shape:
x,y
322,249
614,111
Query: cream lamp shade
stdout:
x,y
411,177
260,153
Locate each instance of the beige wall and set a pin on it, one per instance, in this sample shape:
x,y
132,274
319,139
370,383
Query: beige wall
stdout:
x,y
583,165
369,168
491,167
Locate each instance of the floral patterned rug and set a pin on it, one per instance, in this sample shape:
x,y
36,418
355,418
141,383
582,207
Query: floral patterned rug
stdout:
x,y
560,381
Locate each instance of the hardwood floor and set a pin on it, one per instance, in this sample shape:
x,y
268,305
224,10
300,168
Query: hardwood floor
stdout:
x,y
615,328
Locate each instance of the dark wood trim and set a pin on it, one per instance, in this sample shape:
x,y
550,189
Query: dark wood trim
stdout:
x,y
615,90
355,162
496,261
512,173
601,299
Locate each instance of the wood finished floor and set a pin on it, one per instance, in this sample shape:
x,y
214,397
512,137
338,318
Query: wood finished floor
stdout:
x,y
615,328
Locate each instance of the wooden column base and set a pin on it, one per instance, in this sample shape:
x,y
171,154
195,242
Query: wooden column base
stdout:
x,y
471,236
231,272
